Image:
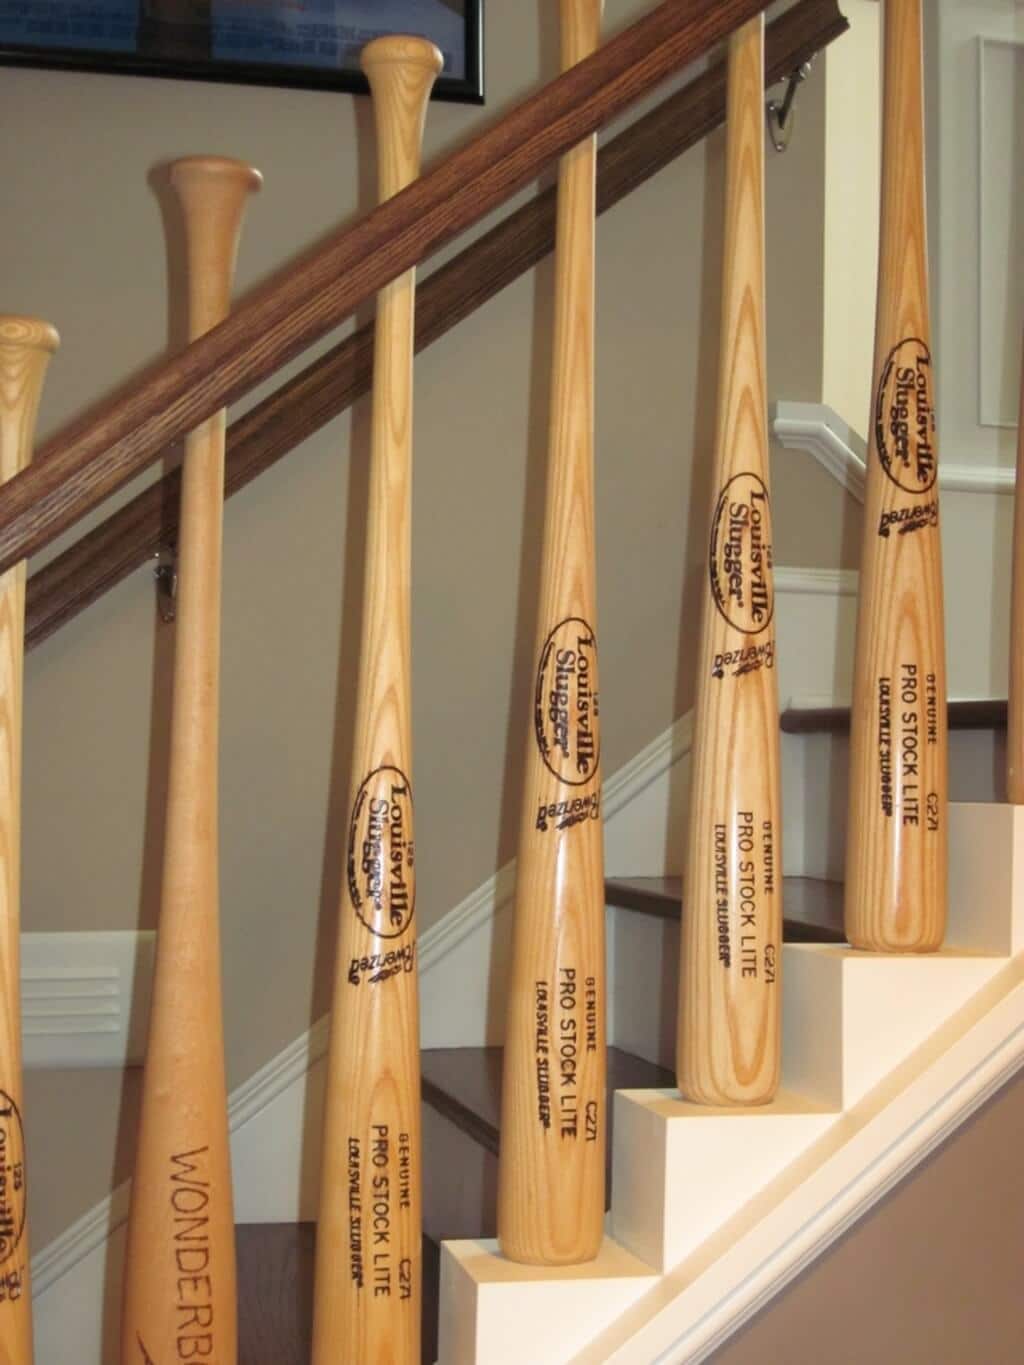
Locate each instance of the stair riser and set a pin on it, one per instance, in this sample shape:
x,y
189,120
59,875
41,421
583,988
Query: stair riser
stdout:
x,y
643,970
460,1191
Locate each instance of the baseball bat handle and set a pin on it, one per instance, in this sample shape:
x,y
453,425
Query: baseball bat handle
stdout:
x,y
26,345
580,29
367,1299
896,848
182,1166
551,1170
728,1027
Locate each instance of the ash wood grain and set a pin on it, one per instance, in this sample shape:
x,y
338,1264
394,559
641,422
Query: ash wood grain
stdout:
x,y
181,1218
896,831
550,1174
274,427
728,1036
276,323
26,345
1015,704
368,1288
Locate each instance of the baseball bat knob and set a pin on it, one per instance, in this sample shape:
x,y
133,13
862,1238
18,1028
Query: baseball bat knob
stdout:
x,y
401,70
402,50
224,170
212,192
30,333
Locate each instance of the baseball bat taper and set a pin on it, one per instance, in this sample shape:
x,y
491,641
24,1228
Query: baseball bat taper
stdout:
x,y
179,1285
727,1047
1015,706
896,829
25,349
551,1169
368,1292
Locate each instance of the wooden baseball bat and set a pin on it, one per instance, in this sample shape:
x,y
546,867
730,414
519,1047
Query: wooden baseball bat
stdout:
x,y
896,830
727,1049
1015,705
368,1292
551,1169
179,1286
26,345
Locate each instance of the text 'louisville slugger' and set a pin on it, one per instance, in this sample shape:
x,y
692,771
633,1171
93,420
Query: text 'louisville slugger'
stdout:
x,y
896,832
368,1293
551,1171
727,1048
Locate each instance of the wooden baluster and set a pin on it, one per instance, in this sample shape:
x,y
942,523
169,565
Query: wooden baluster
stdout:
x,y
728,1038
551,1173
25,349
1015,706
368,1292
182,1180
895,898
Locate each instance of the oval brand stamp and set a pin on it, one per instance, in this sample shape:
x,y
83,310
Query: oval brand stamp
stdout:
x,y
566,714
740,560
381,874
12,1177
905,417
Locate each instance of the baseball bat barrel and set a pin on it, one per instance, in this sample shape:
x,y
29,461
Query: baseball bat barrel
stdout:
x,y
179,1286
551,1169
368,1292
728,1023
1015,706
895,897
26,345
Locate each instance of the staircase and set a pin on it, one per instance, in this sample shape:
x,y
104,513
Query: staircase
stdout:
x,y
706,1221
901,1021
462,1097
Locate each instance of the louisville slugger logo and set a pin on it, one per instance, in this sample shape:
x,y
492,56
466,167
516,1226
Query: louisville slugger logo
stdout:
x,y
905,417
566,710
147,1359
740,555
12,1179
381,853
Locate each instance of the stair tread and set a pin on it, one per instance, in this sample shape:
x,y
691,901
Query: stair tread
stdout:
x,y
275,1293
812,909
963,715
464,1084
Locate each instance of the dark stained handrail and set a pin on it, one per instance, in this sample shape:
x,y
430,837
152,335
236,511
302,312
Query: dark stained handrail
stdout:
x,y
102,452
274,427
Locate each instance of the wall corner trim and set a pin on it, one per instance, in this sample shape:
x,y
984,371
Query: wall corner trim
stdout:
x,y
822,433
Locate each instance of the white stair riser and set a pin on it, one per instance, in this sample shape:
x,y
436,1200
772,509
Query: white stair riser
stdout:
x,y
883,1054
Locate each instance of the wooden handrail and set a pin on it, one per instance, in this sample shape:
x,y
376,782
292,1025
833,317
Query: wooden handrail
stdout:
x,y
100,453
278,424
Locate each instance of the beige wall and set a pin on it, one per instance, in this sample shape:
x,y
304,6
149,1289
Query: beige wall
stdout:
x,y
929,1277
83,246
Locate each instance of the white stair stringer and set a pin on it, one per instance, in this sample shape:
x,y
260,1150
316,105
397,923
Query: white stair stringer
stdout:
x,y
714,1210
